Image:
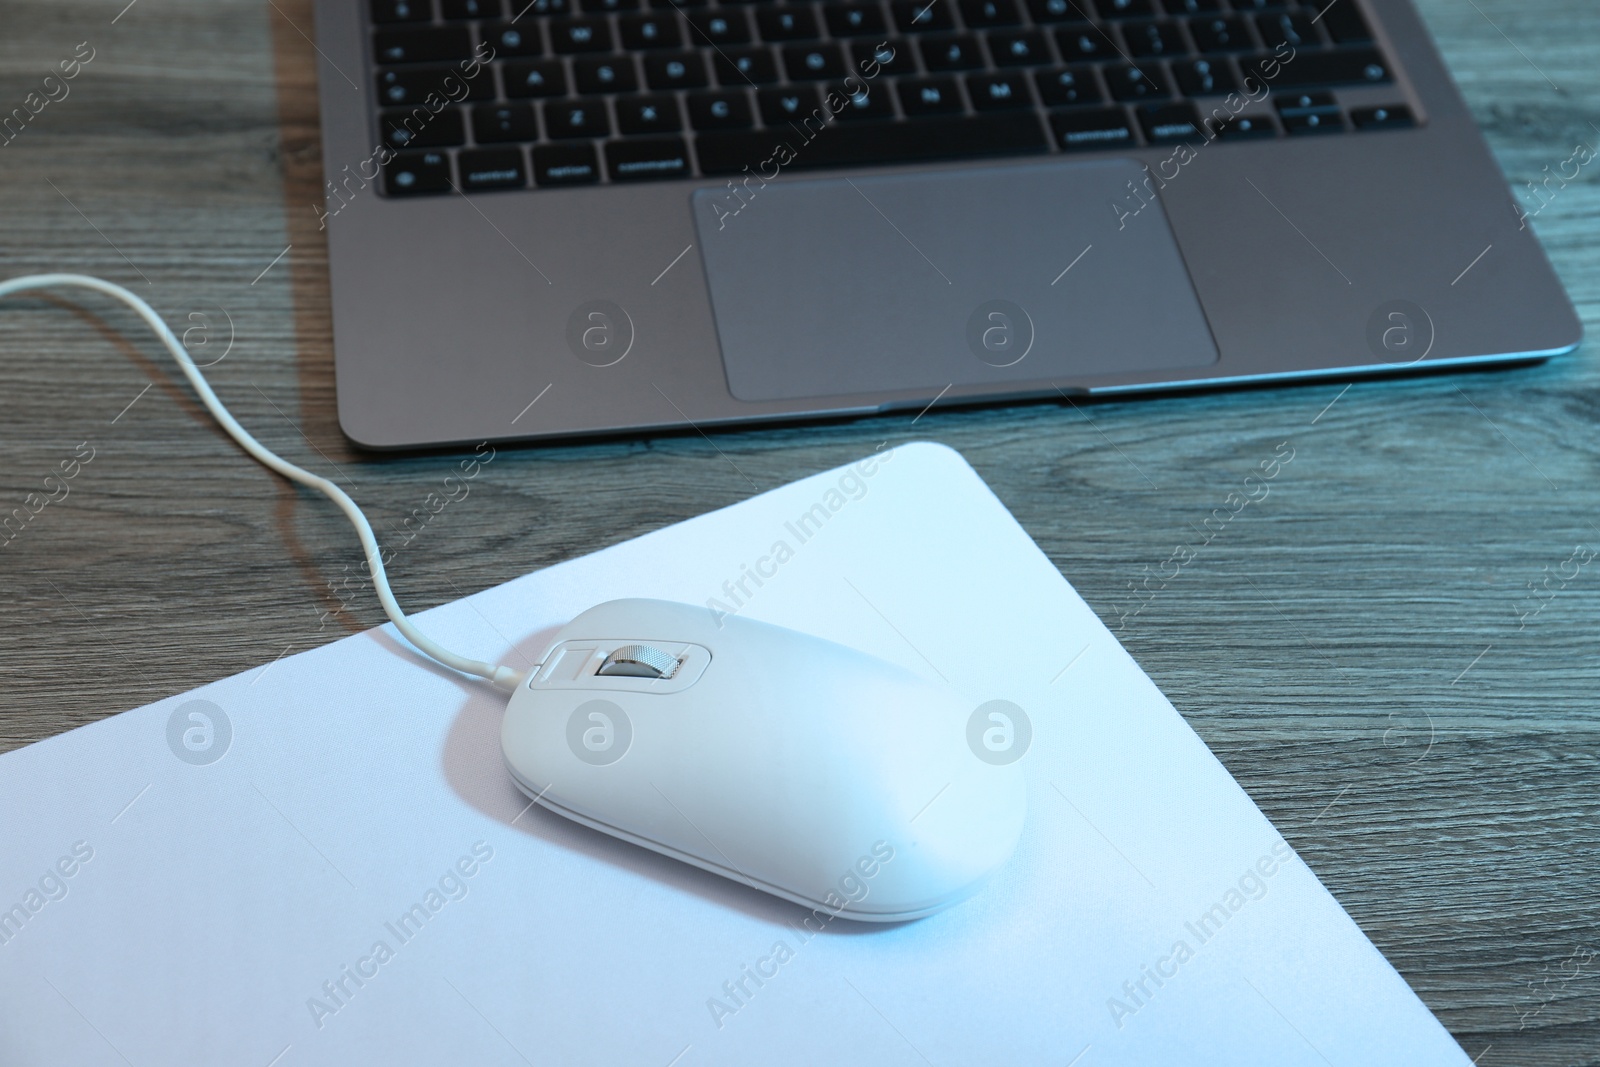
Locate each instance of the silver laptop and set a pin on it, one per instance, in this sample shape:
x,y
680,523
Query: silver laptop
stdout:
x,y
560,218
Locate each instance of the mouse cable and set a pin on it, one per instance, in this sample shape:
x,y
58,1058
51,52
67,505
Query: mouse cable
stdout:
x,y
504,678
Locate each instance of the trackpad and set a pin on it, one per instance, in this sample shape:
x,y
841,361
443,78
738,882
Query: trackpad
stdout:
x,y
997,275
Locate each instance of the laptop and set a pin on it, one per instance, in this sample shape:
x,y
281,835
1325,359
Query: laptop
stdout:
x,y
563,218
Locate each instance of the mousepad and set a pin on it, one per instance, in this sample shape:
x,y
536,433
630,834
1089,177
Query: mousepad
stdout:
x,y
324,861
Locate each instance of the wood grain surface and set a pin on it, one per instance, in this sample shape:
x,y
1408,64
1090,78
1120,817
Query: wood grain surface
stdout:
x,y
1359,647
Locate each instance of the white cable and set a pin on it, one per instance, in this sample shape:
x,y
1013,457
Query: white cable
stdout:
x,y
504,678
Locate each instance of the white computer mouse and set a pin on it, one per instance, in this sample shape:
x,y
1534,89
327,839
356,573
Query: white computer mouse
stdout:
x,y
812,771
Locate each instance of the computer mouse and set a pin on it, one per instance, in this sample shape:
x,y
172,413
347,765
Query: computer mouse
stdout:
x,y
780,760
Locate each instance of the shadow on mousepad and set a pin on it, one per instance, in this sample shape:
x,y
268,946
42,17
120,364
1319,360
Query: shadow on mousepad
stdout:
x,y
995,276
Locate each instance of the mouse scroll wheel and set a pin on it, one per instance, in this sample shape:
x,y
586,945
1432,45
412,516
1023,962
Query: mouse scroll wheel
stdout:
x,y
639,661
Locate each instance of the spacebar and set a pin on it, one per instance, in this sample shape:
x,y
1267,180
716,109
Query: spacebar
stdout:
x,y
855,143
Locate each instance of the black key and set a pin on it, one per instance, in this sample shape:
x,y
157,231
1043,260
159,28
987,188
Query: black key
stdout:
x,y
955,51
719,27
609,7
854,20
418,128
863,101
786,24
1296,31
859,143
930,96
648,114
1050,11
605,74
565,164
471,9
1154,39
1124,9
1347,66
492,168
1214,35
544,77
1085,129
1204,77
649,31
1260,5
421,45
523,8
1066,86
659,157
1191,7
998,92
496,123
510,41
1392,117
888,57
1085,42
1244,128
1313,121
402,10
1295,102
582,118
813,62
416,173
675,70
1137,83
789,104
1342,19
1170,123
719,111
413,85
916,16
1019,48
745,66
591,34
982,14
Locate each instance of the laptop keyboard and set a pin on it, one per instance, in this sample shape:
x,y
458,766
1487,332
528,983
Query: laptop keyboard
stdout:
x,y
572,92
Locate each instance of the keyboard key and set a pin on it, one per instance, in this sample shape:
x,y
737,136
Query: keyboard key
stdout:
x,y
1392,117
1154,39
605,74
866,101
1085,42
541,7
492,168
544,77
648,114
1124,9
591,34
659,157
1217,35
950,52
1296,102
471,9
789,104
861,143
983,14
1137,83
1342,19
1347,66
1301,122
930,96
719,111
565,164
1019,48
413,85
511,41
854,20
675,70
889,57
1067,86
401,10
1191,7
416,173
417,128
1254,6
1170,123
719,27
745,66
786,24
917,16
1051,11
421,45
1084,129
998,92
1297,31
1204,77
497,123
609,7
1244,128
813,62
584,118
649,31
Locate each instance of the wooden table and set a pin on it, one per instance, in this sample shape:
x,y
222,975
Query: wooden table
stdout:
x,y
1360,648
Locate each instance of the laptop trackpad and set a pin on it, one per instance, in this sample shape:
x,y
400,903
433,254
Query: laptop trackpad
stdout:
x,y
832,286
